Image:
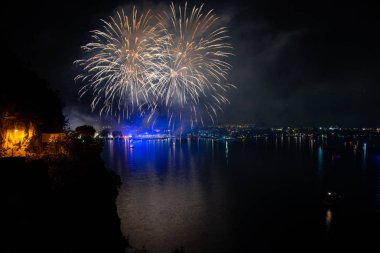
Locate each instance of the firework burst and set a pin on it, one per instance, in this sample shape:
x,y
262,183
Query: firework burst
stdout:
x,y
122,63
174,62
194,78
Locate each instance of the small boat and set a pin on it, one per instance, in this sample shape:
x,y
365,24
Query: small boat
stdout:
x,y
331,198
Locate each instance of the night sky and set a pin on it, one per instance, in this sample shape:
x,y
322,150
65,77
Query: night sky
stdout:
x,y
296,63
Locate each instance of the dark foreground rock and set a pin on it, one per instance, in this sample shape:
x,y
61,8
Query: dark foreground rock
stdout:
x,y
59,205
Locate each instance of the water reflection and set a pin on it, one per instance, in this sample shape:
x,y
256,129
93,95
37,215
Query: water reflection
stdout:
x,y
378,182
276,140
227,155
328,218
320,159
210,195
163,191
226,149
364,163
378,195
311,145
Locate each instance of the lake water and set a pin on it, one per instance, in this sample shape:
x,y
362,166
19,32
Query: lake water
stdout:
x,y
258,195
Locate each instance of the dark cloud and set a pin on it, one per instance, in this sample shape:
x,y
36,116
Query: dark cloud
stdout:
x,y
295,63
299,65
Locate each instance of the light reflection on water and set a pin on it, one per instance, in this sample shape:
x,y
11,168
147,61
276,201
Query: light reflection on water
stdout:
x,y
378,185
329,217
320,159
364,164
217,196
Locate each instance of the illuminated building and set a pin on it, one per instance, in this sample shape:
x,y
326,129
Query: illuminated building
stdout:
x,y
15,136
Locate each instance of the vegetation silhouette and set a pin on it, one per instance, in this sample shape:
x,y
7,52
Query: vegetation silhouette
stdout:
x,y
30,97
86,131
62,202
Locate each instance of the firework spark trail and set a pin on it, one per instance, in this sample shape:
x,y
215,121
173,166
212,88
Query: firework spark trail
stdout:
x,y
123,62
176,64
195,67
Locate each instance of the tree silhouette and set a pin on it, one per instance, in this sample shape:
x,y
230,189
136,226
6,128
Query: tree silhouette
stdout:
x,y
30,98
86,131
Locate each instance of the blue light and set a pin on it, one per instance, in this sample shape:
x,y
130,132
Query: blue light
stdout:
x,y
377,162
320,158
